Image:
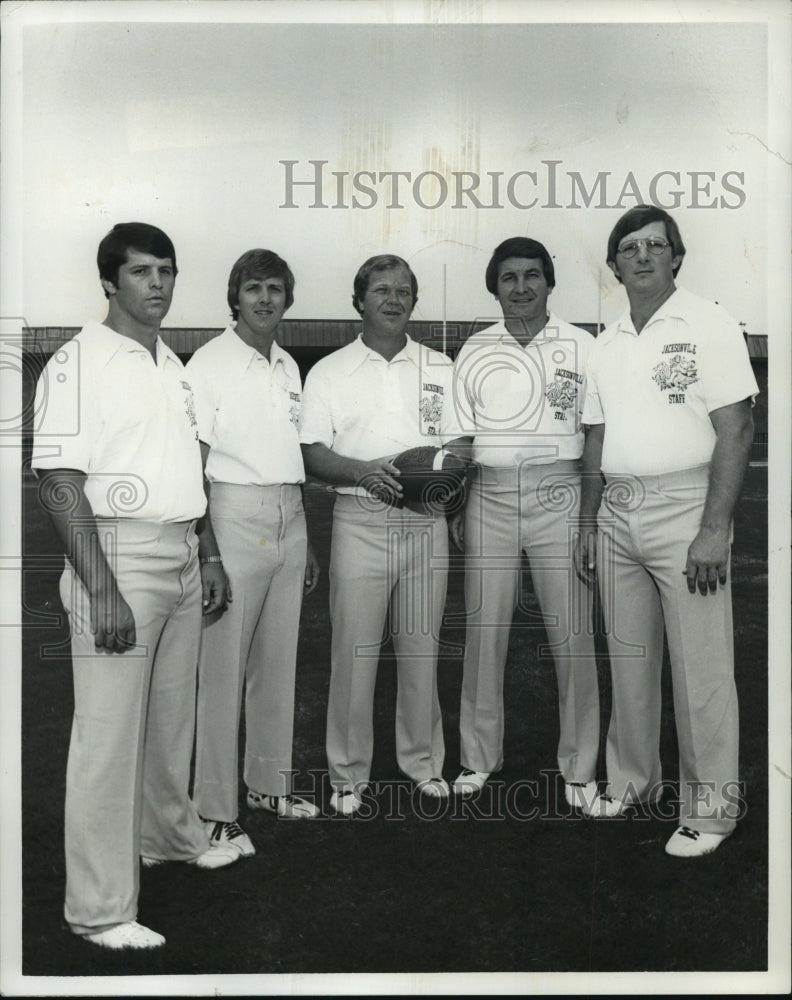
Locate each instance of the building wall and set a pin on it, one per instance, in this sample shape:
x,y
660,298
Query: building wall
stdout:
x,y
310,340
318,336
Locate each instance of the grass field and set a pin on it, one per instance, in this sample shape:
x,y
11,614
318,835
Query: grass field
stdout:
x,y
513,883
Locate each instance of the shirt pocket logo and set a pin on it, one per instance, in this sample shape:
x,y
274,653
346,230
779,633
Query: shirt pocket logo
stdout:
x,y
561,394
431,408
674,376
189,405
295,404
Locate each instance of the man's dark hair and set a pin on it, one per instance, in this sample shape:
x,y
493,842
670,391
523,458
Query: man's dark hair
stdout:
x,y
519,246
259,264
382,262
638,217
127,236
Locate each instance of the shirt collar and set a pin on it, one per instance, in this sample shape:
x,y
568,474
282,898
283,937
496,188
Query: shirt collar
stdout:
x,y
360,352
165,354
553,324
244,355
110,343
673,307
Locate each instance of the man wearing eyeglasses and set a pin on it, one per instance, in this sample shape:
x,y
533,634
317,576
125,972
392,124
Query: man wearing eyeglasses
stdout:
x,y
669,429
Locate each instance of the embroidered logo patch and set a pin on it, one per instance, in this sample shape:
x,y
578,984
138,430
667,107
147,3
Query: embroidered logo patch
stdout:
x,y
561,394
675,375
294,409
189,405
431,408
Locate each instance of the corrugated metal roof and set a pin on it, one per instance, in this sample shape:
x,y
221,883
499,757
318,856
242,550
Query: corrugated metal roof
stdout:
x,y
757,345
318,333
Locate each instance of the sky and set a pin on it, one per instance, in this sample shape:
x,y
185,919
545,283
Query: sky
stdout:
x,y
186,125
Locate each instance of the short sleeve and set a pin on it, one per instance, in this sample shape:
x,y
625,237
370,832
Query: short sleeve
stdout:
x,y
727,374
204,399
459,417
316,419
592,406
584,345
65,422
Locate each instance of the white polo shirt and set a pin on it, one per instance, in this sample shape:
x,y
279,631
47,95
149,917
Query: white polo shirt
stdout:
x,y
521,405
248,412
360,405
105,408
654,391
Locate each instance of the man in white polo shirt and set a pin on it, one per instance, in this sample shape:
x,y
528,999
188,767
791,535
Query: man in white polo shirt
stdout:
x,y
363,405
668,410
253,549
518,388
117,453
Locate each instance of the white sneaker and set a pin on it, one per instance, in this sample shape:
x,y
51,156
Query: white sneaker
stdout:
x,y
687,843
605,807
580,794
284,806
218,856
345,802
436,788
128,935
470,782
229,835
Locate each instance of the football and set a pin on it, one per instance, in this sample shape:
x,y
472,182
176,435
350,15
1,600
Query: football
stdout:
x,y
431,477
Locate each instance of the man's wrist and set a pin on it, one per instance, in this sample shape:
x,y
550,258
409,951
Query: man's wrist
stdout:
x,y
716,527
210,559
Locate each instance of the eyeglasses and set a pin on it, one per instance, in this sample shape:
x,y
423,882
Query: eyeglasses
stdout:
x,y
654,244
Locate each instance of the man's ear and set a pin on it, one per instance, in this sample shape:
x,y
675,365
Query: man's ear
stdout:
x,y
614,268
108,286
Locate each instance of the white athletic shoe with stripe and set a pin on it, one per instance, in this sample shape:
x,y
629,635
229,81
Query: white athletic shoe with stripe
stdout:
x,y
229,835
284,806
217,856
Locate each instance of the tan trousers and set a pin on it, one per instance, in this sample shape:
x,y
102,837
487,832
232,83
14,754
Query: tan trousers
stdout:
x,y
129,759
531,509
385,563
261,535
645,527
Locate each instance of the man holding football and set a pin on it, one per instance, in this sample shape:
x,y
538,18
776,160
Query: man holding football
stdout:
x,y
669,425
518,393
362,406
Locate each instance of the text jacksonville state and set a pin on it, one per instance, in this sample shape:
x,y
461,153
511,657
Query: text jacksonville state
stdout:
x,y
309,184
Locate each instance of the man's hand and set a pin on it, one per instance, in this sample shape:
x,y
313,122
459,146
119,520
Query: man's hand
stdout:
x,y
312,571
380,478
707,560
216,587
584,551
584,555
62,493
456,526
112,621
708,555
